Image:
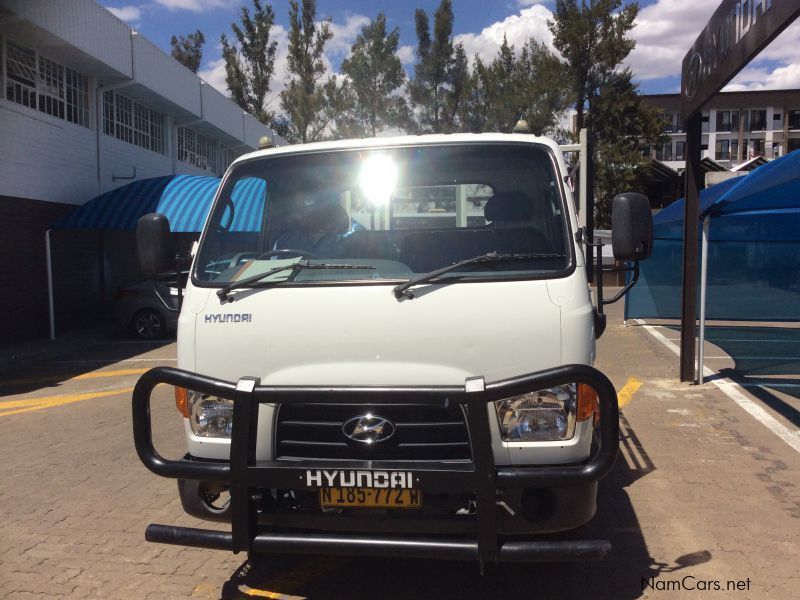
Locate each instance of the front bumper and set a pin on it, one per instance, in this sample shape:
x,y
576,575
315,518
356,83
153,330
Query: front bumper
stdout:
x,y
481,479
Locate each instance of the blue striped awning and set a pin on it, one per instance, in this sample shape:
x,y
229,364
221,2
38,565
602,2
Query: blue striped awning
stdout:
x,y
184,199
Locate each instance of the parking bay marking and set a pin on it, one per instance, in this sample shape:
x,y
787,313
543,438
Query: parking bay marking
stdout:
x,y
79,377
15,407
625,395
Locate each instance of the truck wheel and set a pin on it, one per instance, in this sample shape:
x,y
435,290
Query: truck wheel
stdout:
x,y
148,324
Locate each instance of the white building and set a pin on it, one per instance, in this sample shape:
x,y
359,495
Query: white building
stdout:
x,y
87,105
737,127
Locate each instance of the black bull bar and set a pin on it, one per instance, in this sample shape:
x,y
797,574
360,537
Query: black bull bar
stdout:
x,y
246,475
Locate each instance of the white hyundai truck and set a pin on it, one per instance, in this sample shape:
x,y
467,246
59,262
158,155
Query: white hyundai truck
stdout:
x,y
386,348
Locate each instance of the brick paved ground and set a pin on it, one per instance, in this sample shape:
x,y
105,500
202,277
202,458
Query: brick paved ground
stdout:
x,y
700,490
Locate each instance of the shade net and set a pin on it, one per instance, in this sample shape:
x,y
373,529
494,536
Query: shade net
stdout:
x,y
753,254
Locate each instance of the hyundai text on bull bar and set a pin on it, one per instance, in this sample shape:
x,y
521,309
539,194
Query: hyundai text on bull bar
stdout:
x,y
385,347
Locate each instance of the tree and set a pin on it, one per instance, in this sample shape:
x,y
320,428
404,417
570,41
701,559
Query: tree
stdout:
x,y
188,49
474,111
621,122
592,37
428,90
375,73
250,60
304,99
543,88
458,79
503,87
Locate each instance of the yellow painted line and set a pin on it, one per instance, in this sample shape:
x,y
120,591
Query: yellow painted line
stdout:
x,y
256,593
15,407
67,377
625,395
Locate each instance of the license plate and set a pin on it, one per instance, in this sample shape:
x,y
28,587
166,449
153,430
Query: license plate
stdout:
x,y
369,498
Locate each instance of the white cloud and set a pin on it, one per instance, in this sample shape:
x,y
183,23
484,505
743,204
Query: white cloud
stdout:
x,y
198,5
126,13
780,78
406,55
665,31
344,35
214,74
518,29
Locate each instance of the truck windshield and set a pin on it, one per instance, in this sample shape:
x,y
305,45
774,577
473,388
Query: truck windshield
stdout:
x,y
398,211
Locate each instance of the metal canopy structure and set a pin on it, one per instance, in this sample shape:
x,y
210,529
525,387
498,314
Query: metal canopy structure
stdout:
x,y
736,32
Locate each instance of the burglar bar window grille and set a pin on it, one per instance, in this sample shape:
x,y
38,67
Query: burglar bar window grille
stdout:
x,y
40,83
203,152
226,157
21,65
77,87
2,68
51,94
132,122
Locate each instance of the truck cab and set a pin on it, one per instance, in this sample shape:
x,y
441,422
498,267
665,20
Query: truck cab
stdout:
x,y
386,346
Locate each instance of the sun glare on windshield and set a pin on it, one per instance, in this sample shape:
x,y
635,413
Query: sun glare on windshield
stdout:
x,y
377,179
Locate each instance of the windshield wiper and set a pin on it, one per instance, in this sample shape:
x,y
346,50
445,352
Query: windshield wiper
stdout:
x,y
492,257
294,267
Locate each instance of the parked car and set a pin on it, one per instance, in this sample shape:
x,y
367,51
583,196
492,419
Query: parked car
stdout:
x,y
149,309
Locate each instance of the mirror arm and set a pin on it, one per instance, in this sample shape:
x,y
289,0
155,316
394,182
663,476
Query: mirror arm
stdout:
x,y
627,287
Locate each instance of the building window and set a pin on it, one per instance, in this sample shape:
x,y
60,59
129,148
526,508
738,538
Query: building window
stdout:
x,y
77,87
203,152
794,119
758,120
669,122
793,144
38,82
680,150
664,151
758,148
225,158
727,120
722,151
734,149
21,70
132,122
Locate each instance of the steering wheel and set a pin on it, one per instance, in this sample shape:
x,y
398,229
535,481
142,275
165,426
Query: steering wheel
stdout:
x,y
283,251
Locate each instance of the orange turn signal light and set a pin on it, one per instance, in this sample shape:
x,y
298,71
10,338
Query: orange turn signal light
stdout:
x,y
182,401
587,401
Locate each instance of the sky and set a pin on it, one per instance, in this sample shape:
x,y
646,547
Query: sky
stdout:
x,y
664,31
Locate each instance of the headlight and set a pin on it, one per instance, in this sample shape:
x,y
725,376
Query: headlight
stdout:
x,y
545,415
209,416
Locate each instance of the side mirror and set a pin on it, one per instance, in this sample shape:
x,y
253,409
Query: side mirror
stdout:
x,y
154,244
631,227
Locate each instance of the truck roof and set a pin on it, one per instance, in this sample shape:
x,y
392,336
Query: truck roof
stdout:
x,y
405,140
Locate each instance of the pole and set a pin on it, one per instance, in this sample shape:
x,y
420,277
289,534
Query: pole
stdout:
x,y
694,183
703,278
590,204
50,303
582,177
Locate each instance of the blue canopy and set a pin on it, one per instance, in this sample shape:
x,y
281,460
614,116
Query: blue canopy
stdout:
x,y
184,199
773,186
753,253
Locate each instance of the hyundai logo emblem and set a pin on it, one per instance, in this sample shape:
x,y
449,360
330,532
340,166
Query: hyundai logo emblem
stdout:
x,y
368,429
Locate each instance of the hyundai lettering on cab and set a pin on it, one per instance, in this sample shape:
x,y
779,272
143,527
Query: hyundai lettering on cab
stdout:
x,y
398,362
